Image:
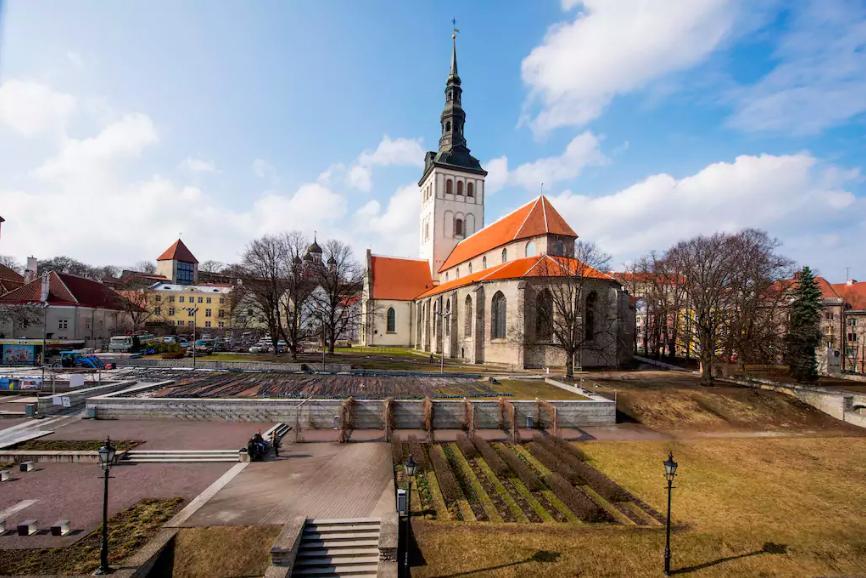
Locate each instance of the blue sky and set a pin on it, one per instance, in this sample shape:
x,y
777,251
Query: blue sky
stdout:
x,y
126,123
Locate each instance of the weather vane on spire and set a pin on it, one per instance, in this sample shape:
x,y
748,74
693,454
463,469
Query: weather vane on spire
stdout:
x,y
454,30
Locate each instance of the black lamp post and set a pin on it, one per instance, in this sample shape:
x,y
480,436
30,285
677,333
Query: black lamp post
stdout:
x,y
106,459
409,467
670,472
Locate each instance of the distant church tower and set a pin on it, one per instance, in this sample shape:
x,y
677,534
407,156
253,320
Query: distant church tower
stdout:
x,y
452,186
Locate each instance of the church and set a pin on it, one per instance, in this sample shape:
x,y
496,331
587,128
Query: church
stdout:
x,y
482,294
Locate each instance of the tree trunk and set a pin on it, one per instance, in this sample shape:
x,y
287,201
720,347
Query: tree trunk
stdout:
x,y
569,366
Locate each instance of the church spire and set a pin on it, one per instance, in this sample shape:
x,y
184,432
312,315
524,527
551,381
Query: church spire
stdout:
x,y
453,118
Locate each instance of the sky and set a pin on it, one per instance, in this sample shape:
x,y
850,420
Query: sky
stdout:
x,y
126,124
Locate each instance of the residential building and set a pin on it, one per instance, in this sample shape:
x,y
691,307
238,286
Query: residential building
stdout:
x,y
205,307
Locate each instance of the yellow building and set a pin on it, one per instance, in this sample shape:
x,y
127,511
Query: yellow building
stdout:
x,y
186,306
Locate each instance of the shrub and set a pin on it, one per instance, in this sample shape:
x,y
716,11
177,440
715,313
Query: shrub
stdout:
x,y
490,456
555,444
396,449
466,446
521,468
173,355
577,501
447,482
419,452
576,471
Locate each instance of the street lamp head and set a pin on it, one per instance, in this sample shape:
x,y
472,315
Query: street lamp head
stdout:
x,y
106,454
670,467
410,466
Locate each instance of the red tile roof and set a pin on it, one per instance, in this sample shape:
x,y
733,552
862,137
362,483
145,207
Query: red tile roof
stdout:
x,y
537,217
399,279
827,290
539,266
178,252
65,289
9,279
854,293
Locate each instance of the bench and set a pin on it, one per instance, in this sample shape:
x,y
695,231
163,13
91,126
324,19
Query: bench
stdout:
x,y
5,475
27,528
26,466
60,528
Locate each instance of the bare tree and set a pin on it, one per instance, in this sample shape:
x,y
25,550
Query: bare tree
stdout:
x,y
567,304
211,266
19,317
145,267
334,301
726,279
300,281
11,263
134,304
266,263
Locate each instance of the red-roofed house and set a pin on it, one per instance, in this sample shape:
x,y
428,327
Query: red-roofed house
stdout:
x,y
178,264
473,293
78,308
853,325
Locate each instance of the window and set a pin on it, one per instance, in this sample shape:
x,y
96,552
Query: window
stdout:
x,y
543,316
457,273
207,323
484,262
207,300
470,190
458,227
171,310
447,126
459,187
504,255
530,249
222,324
449,187
497,316
179,322
207,312
190,311
157,310
589,314
201,299
470,267
467,317
851,336
158,298
190,323
222,300
391,321
171,298
185,273
250,312
221,313
447,318
63,324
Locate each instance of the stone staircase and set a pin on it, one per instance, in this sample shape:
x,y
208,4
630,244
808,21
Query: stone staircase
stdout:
x,y
346,548
179,456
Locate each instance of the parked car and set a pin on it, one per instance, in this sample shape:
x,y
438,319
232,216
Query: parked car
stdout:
x,y
255,349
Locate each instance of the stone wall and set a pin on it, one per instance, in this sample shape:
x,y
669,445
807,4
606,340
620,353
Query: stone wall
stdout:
x,y
325,413
203,363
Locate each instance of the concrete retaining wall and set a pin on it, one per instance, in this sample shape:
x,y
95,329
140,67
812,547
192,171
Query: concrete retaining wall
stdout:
x,y
325,413
53,403
234,365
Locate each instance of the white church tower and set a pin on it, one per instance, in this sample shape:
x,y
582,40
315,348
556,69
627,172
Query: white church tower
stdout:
x,y
452,186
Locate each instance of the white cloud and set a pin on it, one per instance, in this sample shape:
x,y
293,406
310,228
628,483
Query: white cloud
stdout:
x,y
614,47
820,79
394,230
582,151
263,169
794,197
311,205
389,152
31,109
196,165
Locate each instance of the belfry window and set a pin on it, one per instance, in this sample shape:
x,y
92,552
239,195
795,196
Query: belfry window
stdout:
x,y
447,126
449,186
459,187
470,190
458,227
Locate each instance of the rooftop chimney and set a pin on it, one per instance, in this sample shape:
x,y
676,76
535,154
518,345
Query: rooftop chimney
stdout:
x,y
851,282
30,272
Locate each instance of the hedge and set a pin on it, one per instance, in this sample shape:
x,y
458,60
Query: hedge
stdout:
x,y
577,471
492,458
466,446
577,501
447,482
521,468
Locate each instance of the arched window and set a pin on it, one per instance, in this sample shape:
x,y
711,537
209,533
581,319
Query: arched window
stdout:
x,y
589,316
467,317
497,316
449,186
543,316
504,255
530,249
484,262
447,317
458,224
391,321
447,126
470,267
470,190
457,273
459,187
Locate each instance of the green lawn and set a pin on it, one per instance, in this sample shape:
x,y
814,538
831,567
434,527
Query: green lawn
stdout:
x,y
742,507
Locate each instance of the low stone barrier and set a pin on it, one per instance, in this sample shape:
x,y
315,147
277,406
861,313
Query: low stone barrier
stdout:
x,y
186,363
55,403
50,456
285,548
325,413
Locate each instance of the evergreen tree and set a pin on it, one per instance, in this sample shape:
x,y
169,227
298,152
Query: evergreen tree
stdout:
x,y
804,333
